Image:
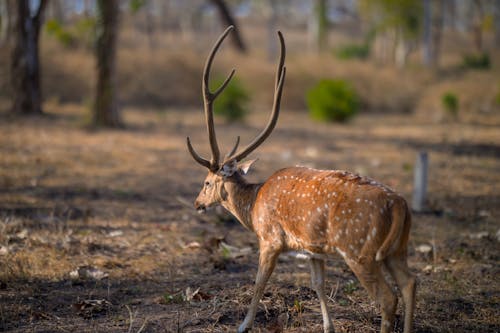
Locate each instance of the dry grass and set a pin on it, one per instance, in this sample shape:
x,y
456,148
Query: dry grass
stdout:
x,y
119,201
115,201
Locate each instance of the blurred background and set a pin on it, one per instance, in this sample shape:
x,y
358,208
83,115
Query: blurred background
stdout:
x,y
432,58
97,228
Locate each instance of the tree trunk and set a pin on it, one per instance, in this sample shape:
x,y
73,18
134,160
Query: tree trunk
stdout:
x,y
427,31
497,24
150,23
318,25
272,48
437,31
56,11
227,19
25,66
477,21
6,14
106,112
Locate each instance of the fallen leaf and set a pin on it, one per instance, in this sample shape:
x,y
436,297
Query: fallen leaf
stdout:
x,y
88,307
190,293
88,272
115,233
192,245
424,248
478,235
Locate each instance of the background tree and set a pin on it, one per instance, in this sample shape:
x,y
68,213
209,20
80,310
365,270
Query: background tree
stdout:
x,y
106,111
477,19
318,26
148,8
432,24
25,65
396,24
496,17
227,19
6,14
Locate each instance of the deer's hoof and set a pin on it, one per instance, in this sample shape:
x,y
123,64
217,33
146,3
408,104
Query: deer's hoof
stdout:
x,y
243,328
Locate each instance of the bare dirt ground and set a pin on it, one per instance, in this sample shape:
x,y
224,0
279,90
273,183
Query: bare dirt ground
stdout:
x,y
97,232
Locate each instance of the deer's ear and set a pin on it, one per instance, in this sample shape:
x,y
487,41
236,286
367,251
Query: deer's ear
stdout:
x,y
228,169
245,166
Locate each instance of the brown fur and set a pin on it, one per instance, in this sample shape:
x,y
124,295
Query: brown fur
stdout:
x,y
321,212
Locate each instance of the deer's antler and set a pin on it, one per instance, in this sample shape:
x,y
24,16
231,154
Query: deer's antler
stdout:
x,y
278,89
208,99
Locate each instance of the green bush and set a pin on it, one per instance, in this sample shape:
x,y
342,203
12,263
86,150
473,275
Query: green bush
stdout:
x,y
477,61
450,103
332,100
232,102
55,29
353,51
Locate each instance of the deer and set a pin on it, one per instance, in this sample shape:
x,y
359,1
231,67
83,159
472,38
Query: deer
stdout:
x,y
314,213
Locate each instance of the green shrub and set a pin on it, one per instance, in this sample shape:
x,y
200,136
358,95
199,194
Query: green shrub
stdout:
x,y
353,51
477,61
450,103
332,100
55,29
232,102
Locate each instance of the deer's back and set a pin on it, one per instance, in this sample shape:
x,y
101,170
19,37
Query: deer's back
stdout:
x,y
322,210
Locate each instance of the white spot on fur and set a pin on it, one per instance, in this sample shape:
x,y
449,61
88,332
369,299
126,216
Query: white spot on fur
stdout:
x,y
342,253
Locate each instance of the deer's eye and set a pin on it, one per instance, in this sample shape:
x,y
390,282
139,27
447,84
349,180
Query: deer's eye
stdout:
x,y
207,184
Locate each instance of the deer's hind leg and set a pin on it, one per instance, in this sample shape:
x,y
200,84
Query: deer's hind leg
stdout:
x,y
372,278
318,284
406,282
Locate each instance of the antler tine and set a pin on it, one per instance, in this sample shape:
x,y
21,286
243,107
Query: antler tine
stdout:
x,y
228,155
209,97
281,62
280,79
198,158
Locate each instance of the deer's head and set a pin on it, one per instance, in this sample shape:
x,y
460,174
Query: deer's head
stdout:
x,y
230,169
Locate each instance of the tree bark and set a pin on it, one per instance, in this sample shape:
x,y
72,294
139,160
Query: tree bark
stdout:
x,y
476,24
6,14
318,26
497,24
25,66
272,48
427,33
227,19
437,31
106,111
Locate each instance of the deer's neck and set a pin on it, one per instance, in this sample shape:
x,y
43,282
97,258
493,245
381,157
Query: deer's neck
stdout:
x,y
240,200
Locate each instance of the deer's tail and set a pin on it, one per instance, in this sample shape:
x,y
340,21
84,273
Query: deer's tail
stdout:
x,y
399,231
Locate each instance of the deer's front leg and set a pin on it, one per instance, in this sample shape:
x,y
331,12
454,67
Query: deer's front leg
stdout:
x,y
267,261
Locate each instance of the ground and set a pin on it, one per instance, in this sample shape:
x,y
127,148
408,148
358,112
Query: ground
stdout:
x,y
98,232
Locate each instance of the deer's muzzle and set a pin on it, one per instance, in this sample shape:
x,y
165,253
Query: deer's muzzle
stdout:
x,y
200,208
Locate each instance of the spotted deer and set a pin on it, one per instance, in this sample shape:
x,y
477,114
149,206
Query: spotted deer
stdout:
x,y
311,212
